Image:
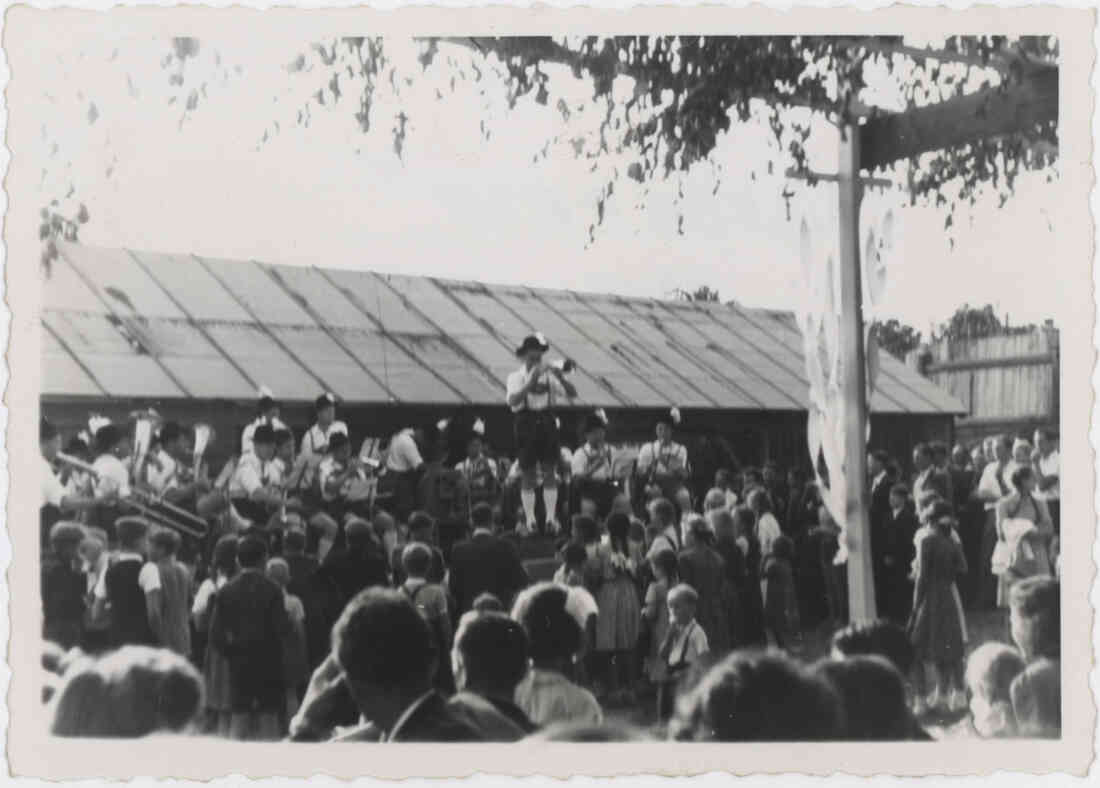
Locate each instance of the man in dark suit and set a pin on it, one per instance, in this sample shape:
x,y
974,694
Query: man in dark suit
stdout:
x,y
704,569
249,627
893,560
387,658
878,472
485,562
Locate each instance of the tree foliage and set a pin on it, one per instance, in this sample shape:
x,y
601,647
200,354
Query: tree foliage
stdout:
x,y
702,293
666,100
897,338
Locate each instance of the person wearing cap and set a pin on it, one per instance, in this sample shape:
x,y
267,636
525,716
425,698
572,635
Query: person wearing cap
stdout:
x,y
662,465
532,392
592,466
267,412
251,491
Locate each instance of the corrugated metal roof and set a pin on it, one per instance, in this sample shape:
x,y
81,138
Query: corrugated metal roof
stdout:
x,y
141,324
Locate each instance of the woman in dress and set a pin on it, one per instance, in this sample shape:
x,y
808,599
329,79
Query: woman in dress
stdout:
x,y
936,627
1025,529
620,611
215,667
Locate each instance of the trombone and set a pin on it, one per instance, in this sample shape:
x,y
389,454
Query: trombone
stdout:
x,y
152,507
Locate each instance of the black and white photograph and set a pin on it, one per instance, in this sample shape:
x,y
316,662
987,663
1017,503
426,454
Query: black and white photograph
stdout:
x,y
549,390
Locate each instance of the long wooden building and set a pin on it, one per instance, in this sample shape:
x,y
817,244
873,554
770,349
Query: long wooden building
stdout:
x,y
197,337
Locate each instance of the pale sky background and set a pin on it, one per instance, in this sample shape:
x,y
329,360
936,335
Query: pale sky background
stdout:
x,y
461,206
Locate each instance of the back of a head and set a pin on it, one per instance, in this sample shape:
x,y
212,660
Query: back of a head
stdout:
x,y
618,528
725,530
294,541
278,571
881,638
586,529
715,499
1036,617
575,555
381,639
359,534
416,559
662,510
759,697
481,516
744,519
699,529
225,554
990,671
129,693
585,733
251,552
131,531
422,525
493,649
552,632
487,602
381,523
875,701
166,540
1037,700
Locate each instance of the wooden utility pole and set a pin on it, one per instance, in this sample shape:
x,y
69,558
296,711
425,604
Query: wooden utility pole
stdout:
x,y
861,587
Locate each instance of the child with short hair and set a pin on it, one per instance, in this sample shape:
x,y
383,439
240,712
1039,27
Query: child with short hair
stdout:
x,y
295,662
781,620
990,672
430,600
684,645
126,585
487,602
63,587
95,560
173,624
655,613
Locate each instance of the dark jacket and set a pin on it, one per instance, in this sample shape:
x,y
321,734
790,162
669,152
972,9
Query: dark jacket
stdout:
x,y
351,570
250,627
496,720
702,568
432,721
301,568
485,563
63,589
129,616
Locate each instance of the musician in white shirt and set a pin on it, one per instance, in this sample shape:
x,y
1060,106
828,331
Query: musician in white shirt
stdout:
x,y
251,490
315,441
593,466
169,473
532,392
267,413
342,478
663,464
479,472
56,500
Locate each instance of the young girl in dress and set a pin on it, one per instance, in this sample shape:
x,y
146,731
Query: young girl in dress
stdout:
x,y
936,627
620,613
781,619
215,667
655,615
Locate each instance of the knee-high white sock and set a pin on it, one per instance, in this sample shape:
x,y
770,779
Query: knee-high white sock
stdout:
x,y
528,499
550,498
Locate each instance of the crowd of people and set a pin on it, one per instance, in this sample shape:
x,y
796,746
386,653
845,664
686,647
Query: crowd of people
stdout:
x,y
330,600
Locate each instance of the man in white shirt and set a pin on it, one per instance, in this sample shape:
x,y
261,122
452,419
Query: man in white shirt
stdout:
x,y
405,466
994,484
532,393
55,498
267,412
662,465
250,489
338,475
592,466
1048,471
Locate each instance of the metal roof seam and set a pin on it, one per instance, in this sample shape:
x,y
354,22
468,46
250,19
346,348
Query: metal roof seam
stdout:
x,y
83,367
191,320
722,376
590,339
113,314
376,321
263,327
605,385
746,313
303,302
457,346
620,353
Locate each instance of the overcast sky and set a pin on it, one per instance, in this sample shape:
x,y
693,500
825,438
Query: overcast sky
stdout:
x,y
461,206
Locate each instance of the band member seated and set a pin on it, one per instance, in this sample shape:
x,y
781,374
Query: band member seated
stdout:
x,y
267,412
315,441
170,474
56,499
533,390
251,490
662,466
342,479
593,471
479,471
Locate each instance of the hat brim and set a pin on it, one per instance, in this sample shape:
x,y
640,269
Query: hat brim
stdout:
x,y
527,347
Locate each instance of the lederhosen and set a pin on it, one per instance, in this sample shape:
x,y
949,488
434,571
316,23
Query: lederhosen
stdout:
x,y
254,511
669,486
601,491
536,435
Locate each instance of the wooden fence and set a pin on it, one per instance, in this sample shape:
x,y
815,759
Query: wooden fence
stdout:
x,y
1008,383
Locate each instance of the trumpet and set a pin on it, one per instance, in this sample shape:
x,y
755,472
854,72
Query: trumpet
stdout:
x,y
159,512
